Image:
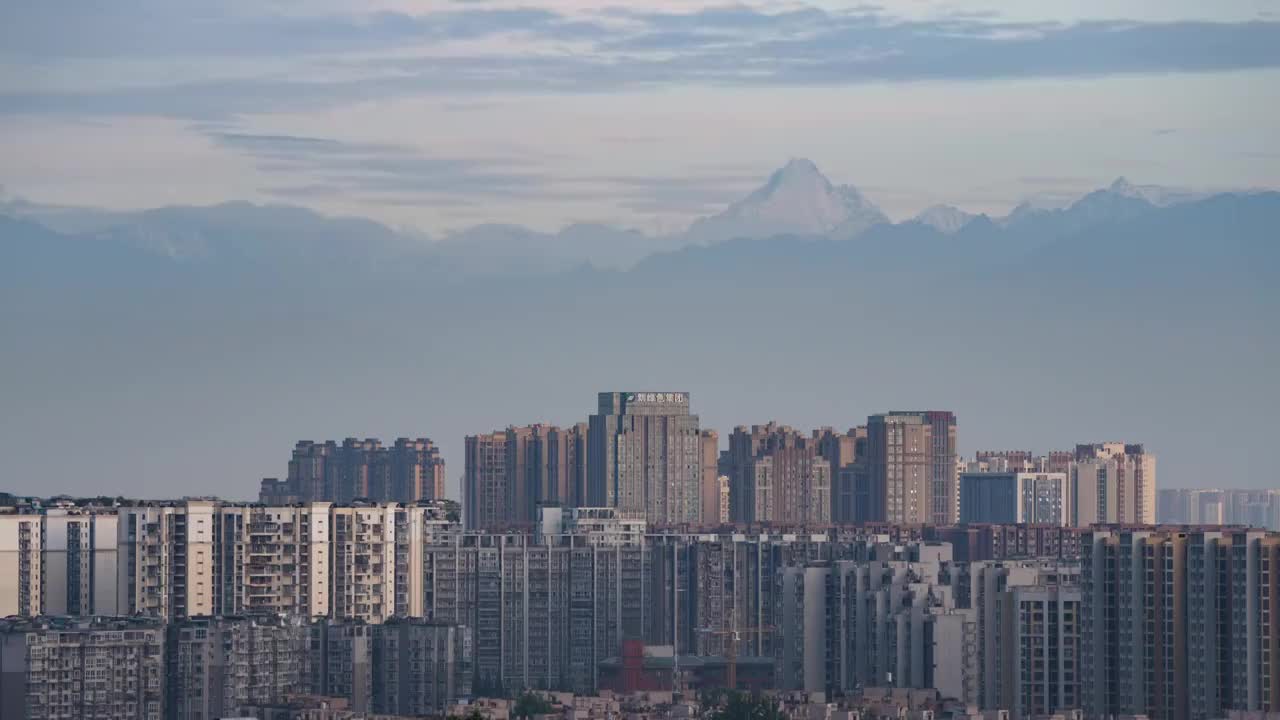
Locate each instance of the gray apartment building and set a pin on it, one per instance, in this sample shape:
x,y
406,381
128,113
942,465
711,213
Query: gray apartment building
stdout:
x,y
422,666
1029,633
545,609
218,666
54,668
645,457
891,620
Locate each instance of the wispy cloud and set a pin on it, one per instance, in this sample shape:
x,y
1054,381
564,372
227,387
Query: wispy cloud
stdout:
x,y
384,55
377,171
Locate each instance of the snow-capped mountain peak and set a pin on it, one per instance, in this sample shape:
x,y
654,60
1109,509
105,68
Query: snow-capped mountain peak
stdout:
x,y
797,199
944,218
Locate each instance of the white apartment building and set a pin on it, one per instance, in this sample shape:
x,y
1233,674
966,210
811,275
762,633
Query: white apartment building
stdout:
x,y
274,559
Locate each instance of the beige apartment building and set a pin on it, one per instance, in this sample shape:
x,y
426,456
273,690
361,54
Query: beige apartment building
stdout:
x,y
20,572
362,569
165,560
911,467
1114,483
80,561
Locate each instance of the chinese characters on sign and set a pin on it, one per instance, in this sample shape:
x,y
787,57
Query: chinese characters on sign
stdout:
x,y
657,397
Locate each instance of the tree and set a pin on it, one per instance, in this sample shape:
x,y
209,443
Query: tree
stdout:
x,y
475,714
741,706
530,704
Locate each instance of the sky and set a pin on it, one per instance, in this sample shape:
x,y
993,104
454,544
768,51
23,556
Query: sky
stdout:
x,y
442,114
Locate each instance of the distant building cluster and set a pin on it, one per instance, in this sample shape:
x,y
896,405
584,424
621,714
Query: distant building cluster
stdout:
x,y
1253,508
645,454
409,471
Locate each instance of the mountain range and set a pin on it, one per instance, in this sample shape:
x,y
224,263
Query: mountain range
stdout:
x,y
796,200
184,350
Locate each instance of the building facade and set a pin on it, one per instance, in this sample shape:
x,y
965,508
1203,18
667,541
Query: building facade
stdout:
x,y
21,540
80,561
645,457
219,666
54,668
1179,624
421,666
1012,498
777,475
1114,483
911,468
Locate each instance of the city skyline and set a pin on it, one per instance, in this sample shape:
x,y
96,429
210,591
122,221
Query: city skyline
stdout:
x,y
243,604
646,360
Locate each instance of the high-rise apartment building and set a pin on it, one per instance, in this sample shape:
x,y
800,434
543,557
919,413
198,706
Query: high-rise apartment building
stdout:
x,y
710,480
362,562
1114,483
272,559
423,666
197,558
484,482
888,620
510,474
219,666
340,661
544,609
1180,625
1028,634
165,559
80,561
644,457
1007,498
778,476
846,453
409,471
911,467
55,668
21,539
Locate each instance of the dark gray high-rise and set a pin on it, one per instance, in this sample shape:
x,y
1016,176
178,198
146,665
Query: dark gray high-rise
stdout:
x,y
644,456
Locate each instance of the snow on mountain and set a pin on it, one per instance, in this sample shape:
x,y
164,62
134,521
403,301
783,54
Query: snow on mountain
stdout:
x,y
797,200
946,219
1157,195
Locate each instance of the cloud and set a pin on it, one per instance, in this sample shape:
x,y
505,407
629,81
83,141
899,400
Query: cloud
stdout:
x,y
686,194
398,175
149,28
378,172
468,51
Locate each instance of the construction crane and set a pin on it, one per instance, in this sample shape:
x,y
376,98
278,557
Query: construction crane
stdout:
x,y
734,636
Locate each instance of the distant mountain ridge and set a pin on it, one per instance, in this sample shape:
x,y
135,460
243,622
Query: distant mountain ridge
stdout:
x,y
796,201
